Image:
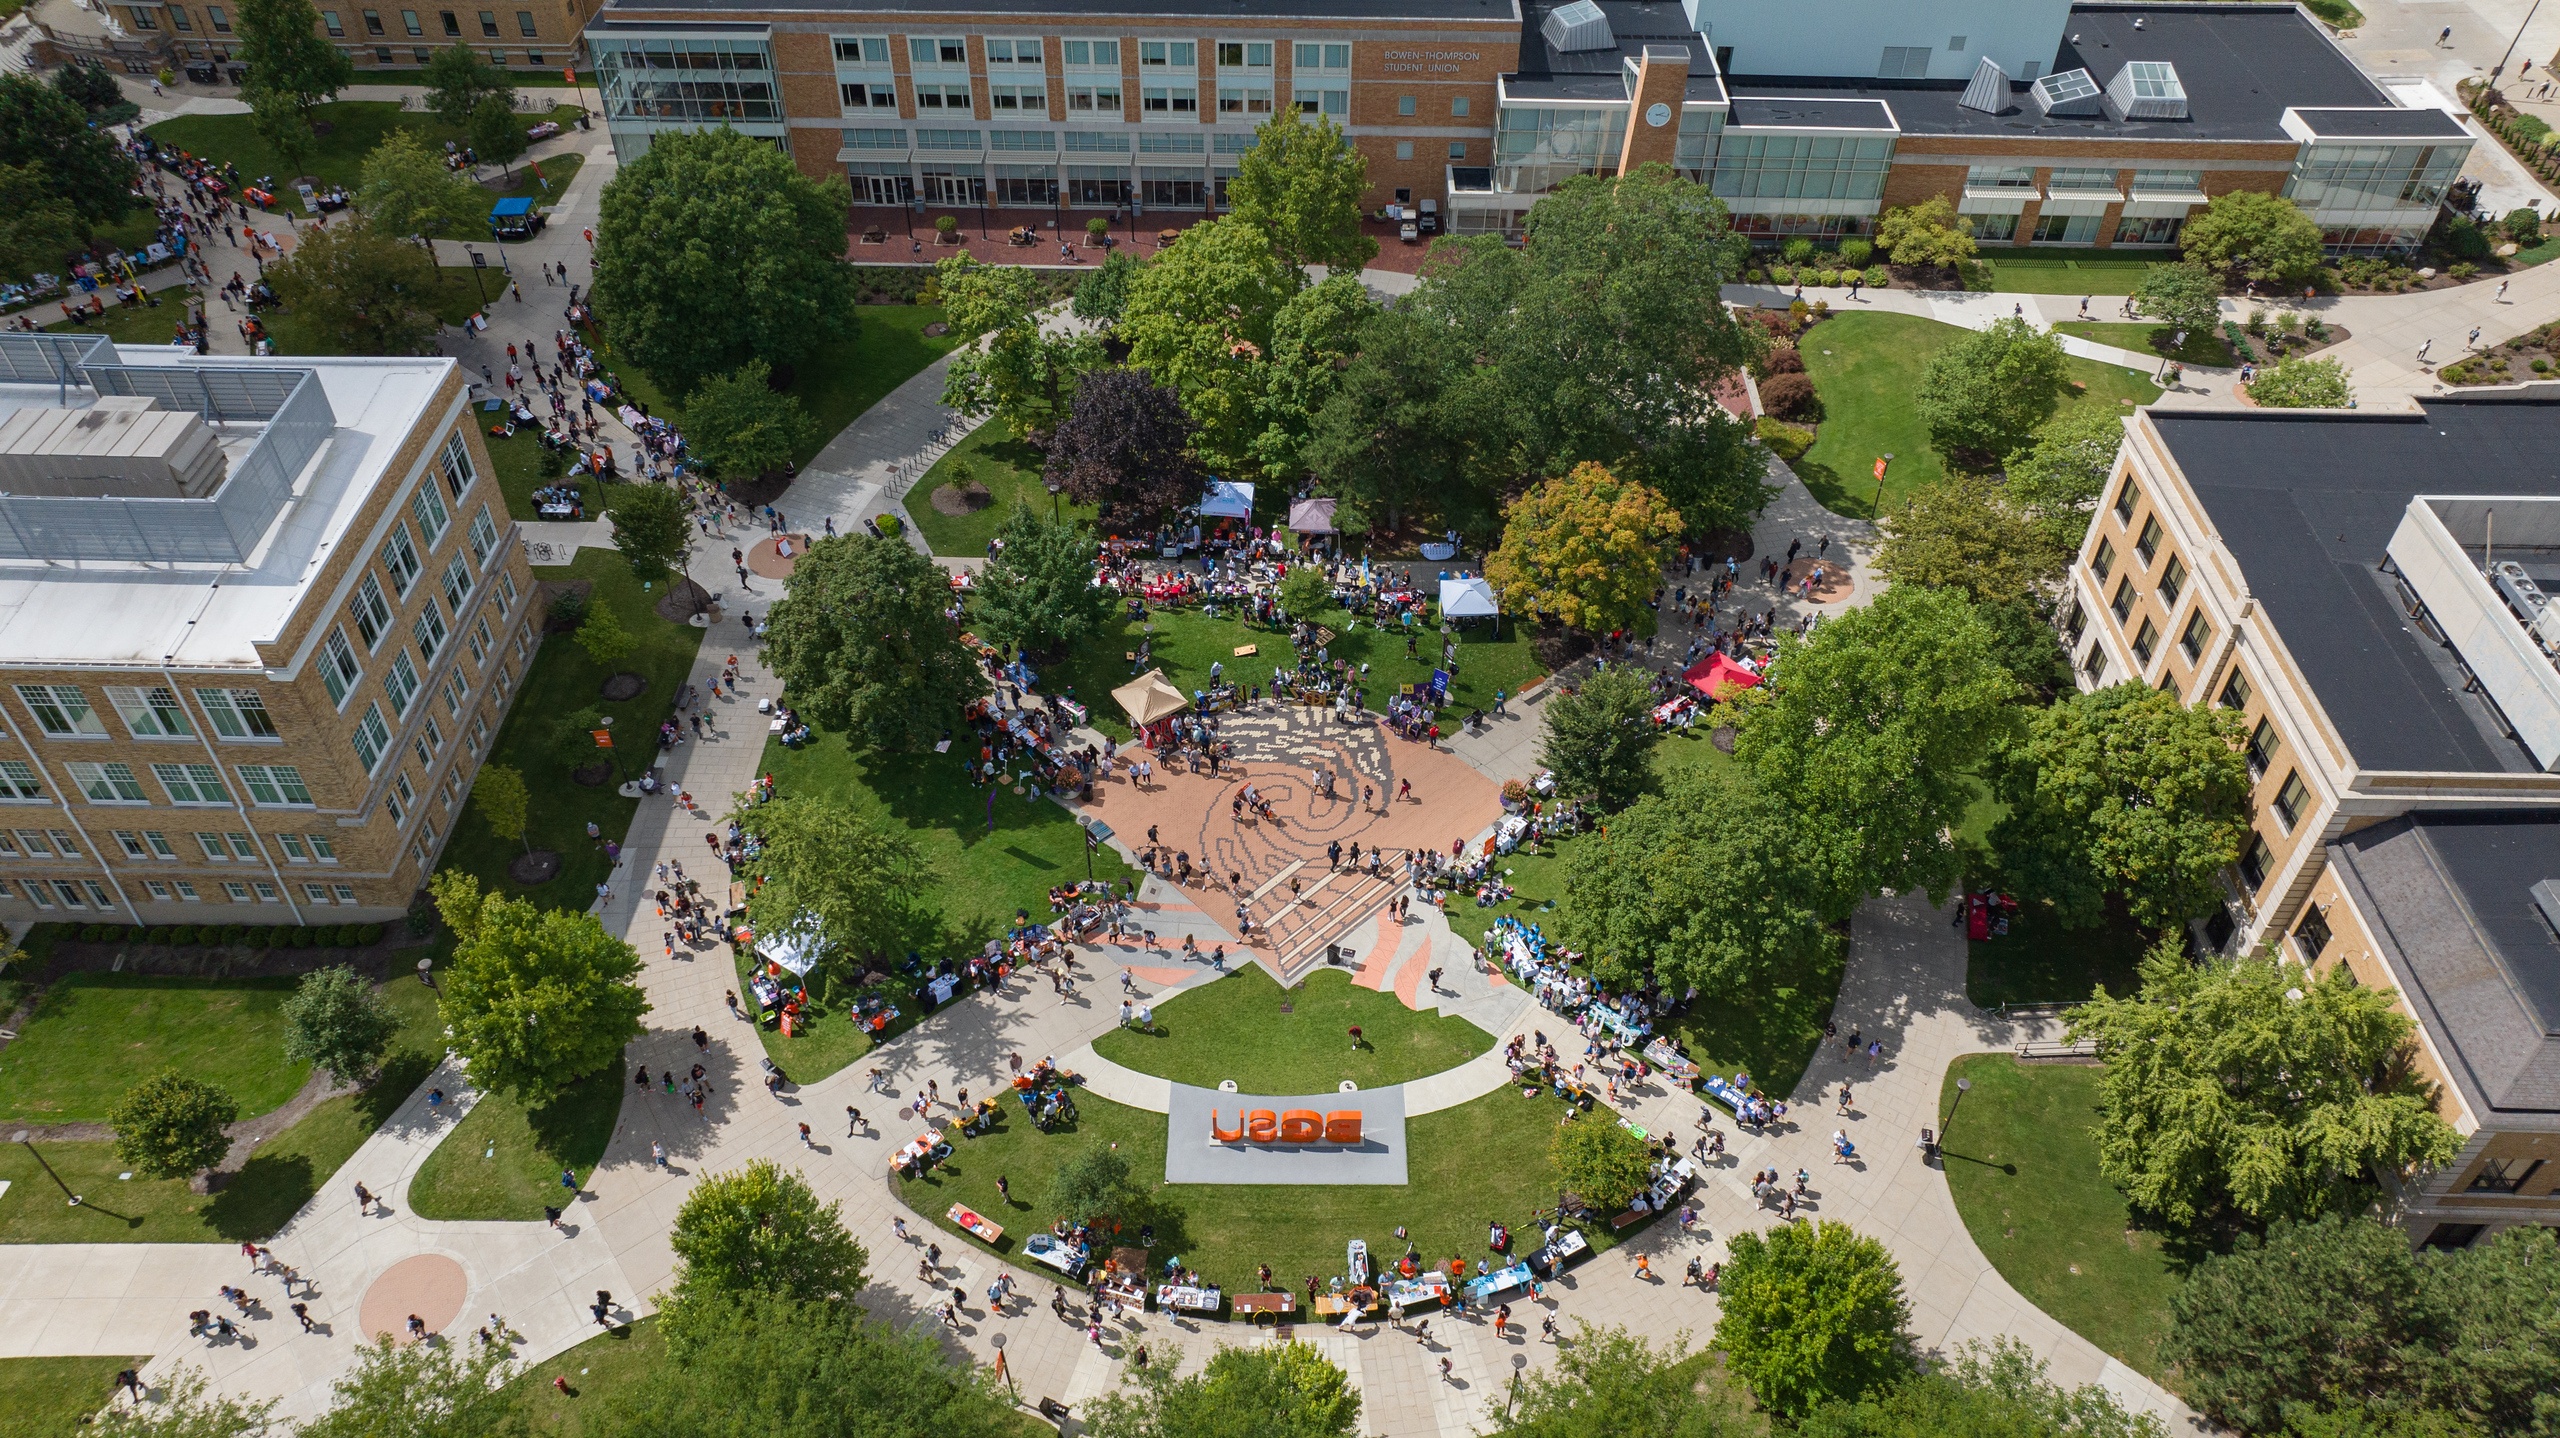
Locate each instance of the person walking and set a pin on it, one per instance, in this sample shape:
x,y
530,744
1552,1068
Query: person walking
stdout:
x,y
569,1181
364,1200
302,1315
852,1121
805,1141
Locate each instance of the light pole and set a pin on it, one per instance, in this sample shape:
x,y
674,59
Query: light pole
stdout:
x,y
22,1138
2500,67
1963,1087
1053,504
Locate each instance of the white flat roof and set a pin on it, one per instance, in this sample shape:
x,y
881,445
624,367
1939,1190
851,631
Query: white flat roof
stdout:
x,y
125,615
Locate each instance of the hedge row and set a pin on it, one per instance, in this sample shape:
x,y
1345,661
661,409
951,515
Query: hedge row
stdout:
x,y
234,936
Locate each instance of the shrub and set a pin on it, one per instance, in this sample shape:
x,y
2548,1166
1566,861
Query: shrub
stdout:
x,y
369,933
1879,278
346,936
1830,278
2529,129
1797,312
1096,228
891,525
1784,359
182,935
1797,250
2462,269
159,934
235,934
1790,396
300,938
2302,384
569,606
2542,366
92,933
1755,276
1782,275
1854,254
2524,226
2464,240
946,225
1786,441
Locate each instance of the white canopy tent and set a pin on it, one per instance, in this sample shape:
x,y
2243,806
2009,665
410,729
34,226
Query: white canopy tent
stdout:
x,y
1228,499
1468,597
797,948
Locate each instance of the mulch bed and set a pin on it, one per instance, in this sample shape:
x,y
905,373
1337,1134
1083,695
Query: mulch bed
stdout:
x,y
376,961
625,685
592,776
1558,646
683,600
947,500
539,867
1722,737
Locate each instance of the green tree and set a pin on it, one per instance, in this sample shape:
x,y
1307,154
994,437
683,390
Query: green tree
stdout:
x,y
292,66
424,1390
171,1126
1995,1392
739,426
761,1230
751,1366
1304,593
1868,731
2301,382
652,527
337,1020
1600,738
1313,339
503,802
1928,233
38,228
1022,370
1392,440
1608,1383
457,80
603,636
89,86
81,166
2263,236
2501,1301
1288,1390
497,136
534,999
2184,296
1984,392
1706,883
1964,532
1813,1312
406,189
1585,550
1602,1161
713,249
1037,592
362,286
2127,792
860,639
2060,474
2025,642
1198,321
1103,295
1096,1182
186,1409
864,883
1301,184
2250,1088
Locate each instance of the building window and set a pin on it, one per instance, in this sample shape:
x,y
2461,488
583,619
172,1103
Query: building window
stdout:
x,y
178,17
373,22
35,843
1904,62
152,713
489,24
131,843
409,22
2235,690
346,893
2123,602
1169,100
70,893
525,25
400,681
192,783
1100,54
2148,543
1458,108
238,713
62,710
2292,797
1458,150
2262,748
329,20
316,893
2451,1237
1013,52
2146,640
2173,582
275,785
2125,498
236,893
2075,622
160,846
2195,636
2503,1175
1096,99
158,890
2257,861
371,737
1404,149
108,783
221,22
1244,99
1406,105
2102,559
2311,935
429,630
863,50
382,55
428,507
145,20
338,667
1168,54
36,892
945,50
400,559
371,612
295,851
452,24
18,780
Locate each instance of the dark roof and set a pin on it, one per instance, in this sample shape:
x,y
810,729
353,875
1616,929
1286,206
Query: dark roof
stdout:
x,y
2242,66
1073,11
2307,502
2383,124
1816,113
2450,896
1547,73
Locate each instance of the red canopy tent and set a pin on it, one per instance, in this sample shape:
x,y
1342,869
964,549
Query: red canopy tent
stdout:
x,y
1710,675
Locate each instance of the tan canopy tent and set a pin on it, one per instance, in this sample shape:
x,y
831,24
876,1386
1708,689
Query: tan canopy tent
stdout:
x,y
1150,697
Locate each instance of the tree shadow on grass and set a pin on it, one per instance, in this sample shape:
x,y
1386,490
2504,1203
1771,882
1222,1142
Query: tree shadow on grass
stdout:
x,y
574,1128
263,1196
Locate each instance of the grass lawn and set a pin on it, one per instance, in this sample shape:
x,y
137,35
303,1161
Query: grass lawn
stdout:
x,y
1867,367
54,1397
2040,962
1482,1160
542,181
124,324
355,127
1187,642
279,1178
608,1363
1244,1027
1008,468
2045,270
503,1160
2203,347
561,682
455,296
518,460
982,875
97,1035
2024,1170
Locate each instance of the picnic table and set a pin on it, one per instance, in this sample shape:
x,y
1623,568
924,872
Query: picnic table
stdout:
x,y
1182,1298
1253,1305
1334,1305
967,1218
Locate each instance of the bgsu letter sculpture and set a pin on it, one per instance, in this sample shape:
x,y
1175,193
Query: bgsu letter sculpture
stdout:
x,y
1298,1126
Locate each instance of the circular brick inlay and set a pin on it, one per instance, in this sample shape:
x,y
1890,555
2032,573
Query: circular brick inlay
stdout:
x,y
767,561
429,1285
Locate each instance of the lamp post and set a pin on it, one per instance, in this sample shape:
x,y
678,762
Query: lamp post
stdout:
x,y
1053,504
1878,507
2500,68
1963,1087
479,262
22,1139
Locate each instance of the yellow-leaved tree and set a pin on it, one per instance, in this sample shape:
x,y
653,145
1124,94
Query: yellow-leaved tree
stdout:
x,y
1585,549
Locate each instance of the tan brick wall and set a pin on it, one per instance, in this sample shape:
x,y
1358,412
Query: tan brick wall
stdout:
x,y
2351,943
556,24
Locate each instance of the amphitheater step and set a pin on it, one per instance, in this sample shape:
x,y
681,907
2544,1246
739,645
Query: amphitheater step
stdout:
x,y
1300,932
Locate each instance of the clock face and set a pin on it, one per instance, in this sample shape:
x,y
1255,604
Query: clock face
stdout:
x,y
1658,116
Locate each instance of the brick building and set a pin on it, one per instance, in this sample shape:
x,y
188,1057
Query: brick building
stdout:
x,y
147,34
2369,592
260,620
2047,122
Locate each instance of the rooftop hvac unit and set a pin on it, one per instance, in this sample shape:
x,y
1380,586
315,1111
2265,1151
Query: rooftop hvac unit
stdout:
x,y
1578,26
1989,89
2069,92
2148,90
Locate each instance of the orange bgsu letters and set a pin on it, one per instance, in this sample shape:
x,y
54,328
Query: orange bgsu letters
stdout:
x,y
1301,1125
1262,1125
1224,1135
1342,1126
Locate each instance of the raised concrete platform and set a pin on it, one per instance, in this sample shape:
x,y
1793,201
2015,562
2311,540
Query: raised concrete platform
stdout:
x,y
1191,1157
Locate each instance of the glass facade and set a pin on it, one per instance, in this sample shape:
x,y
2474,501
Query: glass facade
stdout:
x,y
1800,167
2374,198
686,80
1536,149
